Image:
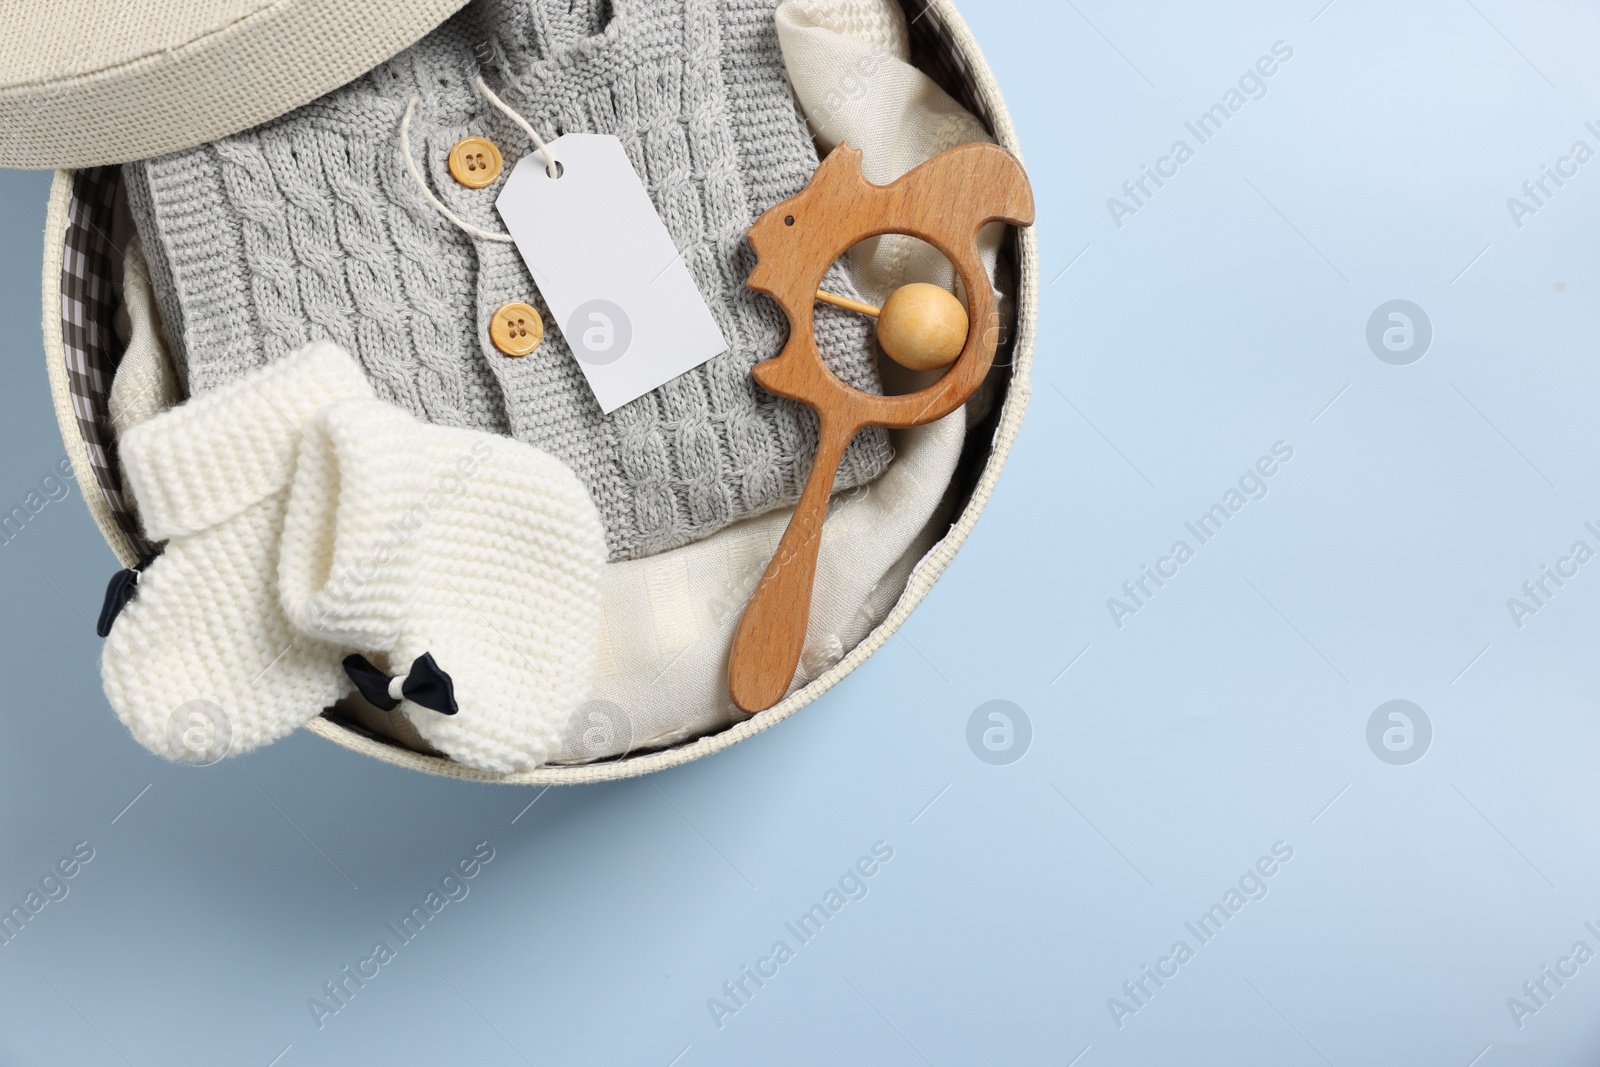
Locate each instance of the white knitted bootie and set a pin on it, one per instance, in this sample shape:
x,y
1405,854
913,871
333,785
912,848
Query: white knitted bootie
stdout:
x,y
466,564
202,663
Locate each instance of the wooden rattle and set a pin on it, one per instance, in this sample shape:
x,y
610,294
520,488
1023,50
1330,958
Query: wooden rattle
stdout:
x,y
945,202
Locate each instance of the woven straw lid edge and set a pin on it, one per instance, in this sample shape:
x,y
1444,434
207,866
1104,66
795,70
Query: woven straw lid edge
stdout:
x,y
158,100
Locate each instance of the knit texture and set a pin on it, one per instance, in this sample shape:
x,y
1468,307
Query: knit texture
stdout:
x,y
212,479
876,23
309,228
402,539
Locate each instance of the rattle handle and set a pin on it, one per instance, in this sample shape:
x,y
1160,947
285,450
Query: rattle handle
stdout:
x,y
768,643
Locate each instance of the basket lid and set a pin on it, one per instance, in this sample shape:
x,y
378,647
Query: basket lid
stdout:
x,y
90,82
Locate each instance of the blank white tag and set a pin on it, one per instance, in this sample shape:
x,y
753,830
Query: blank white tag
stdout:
x,y
618,288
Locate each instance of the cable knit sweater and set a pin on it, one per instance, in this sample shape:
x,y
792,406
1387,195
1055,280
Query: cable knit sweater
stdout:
x,y
309,228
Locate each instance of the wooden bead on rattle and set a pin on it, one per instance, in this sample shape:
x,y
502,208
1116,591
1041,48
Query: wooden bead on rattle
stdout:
x,y
920,326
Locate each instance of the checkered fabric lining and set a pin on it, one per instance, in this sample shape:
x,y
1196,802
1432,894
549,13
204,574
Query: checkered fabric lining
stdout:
x,y
88,299
933,51
88,304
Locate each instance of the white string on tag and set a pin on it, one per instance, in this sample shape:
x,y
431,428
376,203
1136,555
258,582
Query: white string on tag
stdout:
x,y
552,166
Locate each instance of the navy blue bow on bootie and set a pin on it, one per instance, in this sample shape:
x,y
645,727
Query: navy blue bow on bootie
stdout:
x,y
121,589
425,685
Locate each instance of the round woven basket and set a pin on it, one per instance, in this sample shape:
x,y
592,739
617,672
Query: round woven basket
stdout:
x,y
81,352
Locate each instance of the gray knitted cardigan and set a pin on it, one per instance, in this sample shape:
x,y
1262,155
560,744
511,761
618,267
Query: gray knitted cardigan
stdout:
x,y
309,227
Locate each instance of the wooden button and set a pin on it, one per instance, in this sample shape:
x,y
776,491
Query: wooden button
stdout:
x,y
516,329
475,162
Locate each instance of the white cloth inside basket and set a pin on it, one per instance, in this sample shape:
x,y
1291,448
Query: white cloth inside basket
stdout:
x,y
146,383
670,619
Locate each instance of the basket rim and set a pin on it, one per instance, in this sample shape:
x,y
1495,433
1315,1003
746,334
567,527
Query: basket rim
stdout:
x,y
927,572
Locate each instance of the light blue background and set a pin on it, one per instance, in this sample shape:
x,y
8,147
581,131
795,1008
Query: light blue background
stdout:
x,y
1228,715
